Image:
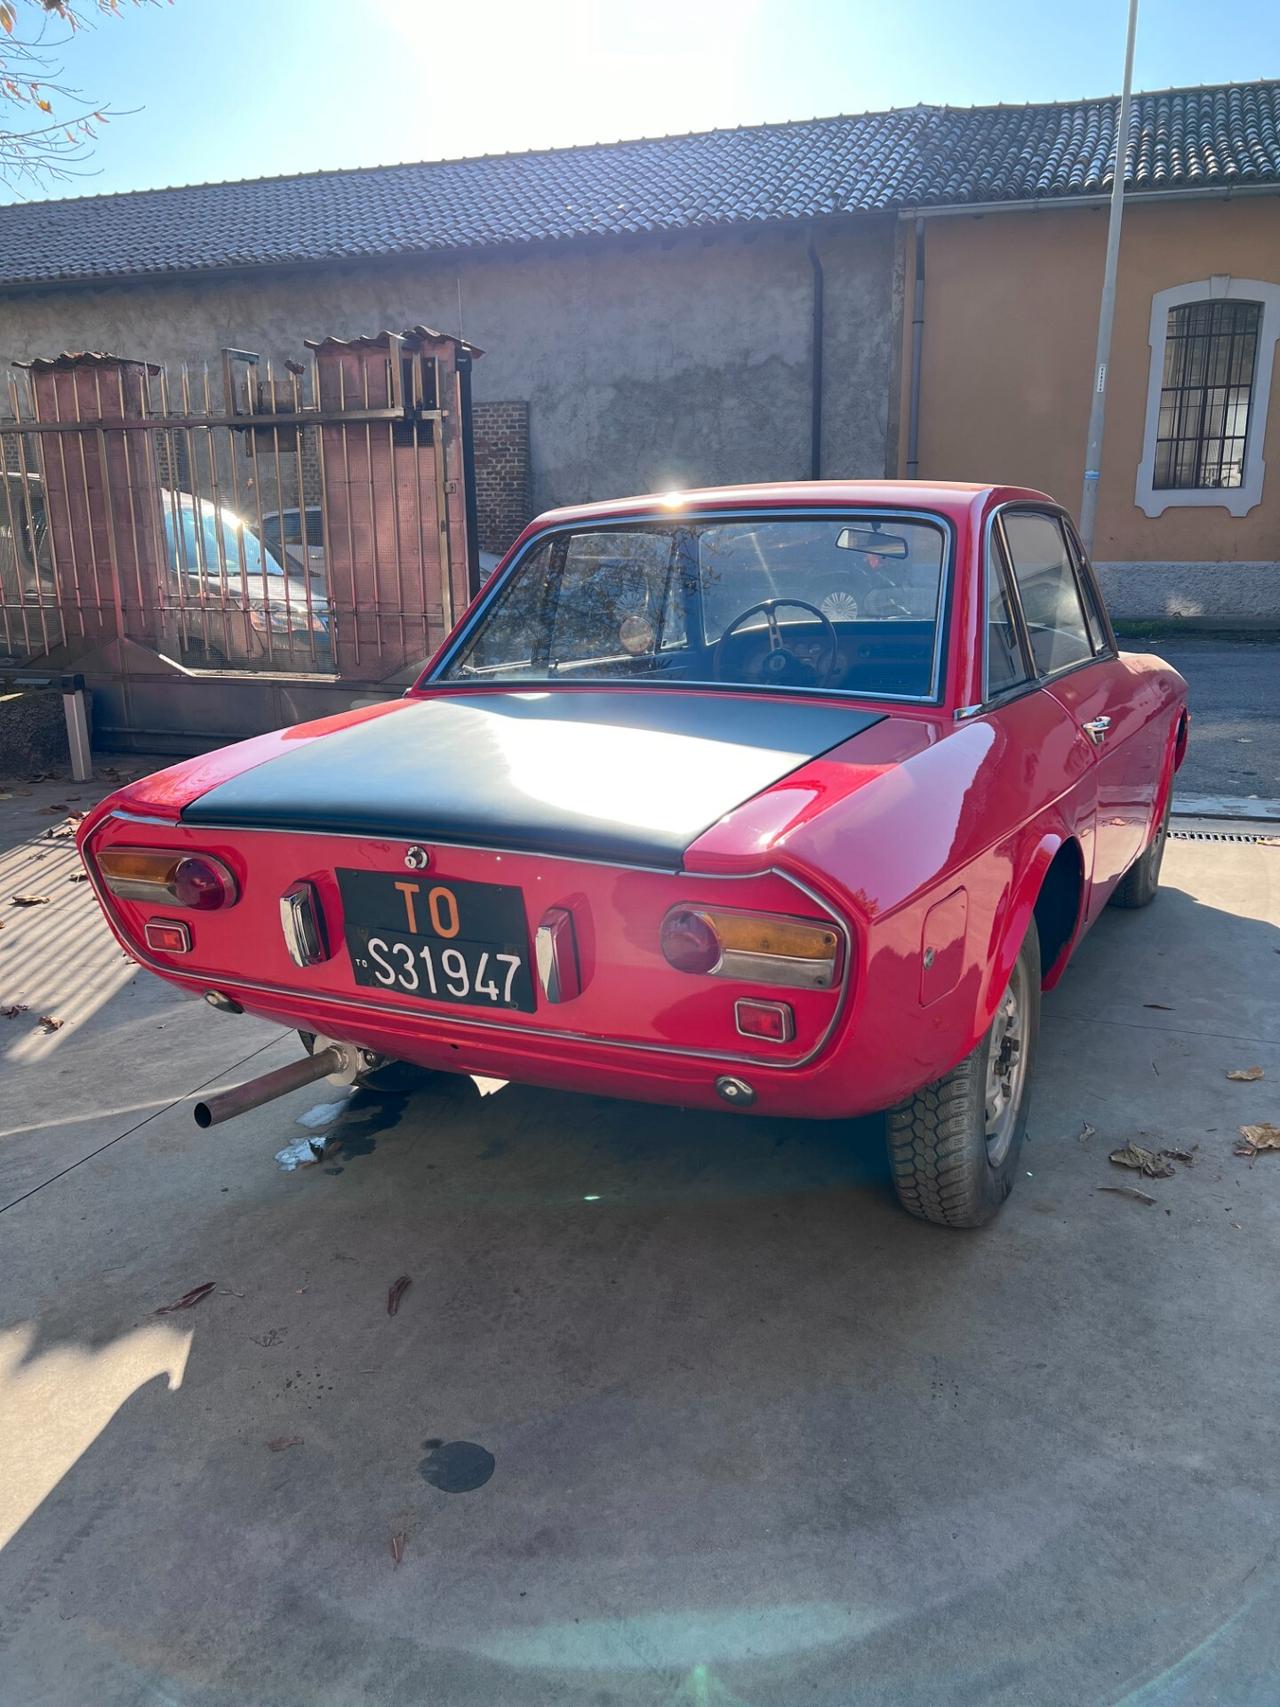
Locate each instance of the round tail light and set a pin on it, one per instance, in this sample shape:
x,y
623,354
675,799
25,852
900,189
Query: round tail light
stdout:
x,y
689,941
204,884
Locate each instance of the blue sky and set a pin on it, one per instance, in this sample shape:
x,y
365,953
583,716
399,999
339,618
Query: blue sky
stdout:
x,y
244,88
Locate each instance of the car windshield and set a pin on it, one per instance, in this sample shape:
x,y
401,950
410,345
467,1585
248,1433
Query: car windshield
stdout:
x,y
847,604
286,528
218,543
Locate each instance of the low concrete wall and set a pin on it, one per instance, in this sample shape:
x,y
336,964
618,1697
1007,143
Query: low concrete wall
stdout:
x,y
33,731
1217,593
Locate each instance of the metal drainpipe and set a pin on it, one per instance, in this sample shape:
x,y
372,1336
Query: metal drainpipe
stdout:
x,y
815,374
917,340
469,473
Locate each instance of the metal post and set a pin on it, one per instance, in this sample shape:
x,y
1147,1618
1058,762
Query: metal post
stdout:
x,y
917,345
73,704
1107,307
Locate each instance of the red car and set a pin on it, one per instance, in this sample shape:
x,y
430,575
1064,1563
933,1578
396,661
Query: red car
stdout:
x,y
789,799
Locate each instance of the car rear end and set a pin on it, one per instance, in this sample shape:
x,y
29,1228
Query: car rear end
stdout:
x,y
587,975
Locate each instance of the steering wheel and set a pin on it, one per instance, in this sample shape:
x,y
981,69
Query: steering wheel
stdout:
x,y
780,663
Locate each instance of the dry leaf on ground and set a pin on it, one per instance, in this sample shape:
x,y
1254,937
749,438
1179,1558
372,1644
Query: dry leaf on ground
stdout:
x,y
13,1010
51,1024
78,877
1254,1140
1176,1153
397,1547
1245,1075
31,900
1142,1161
397,1292
1127,1191
283,1442
1163,1006
188,1298
1085,1133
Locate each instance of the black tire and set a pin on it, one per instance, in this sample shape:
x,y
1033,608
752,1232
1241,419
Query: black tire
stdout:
x,y
1141,883
952,1162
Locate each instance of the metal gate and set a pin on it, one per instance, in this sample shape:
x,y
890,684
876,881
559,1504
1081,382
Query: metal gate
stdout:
x,y
220,553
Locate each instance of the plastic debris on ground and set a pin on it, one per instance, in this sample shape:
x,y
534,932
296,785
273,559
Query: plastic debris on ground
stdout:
x,y
300,1155
324,1113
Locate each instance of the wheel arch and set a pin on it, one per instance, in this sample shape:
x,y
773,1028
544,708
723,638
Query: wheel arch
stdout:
x,y
1048,894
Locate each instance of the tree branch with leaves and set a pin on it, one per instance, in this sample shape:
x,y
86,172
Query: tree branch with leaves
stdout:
x,y
47,128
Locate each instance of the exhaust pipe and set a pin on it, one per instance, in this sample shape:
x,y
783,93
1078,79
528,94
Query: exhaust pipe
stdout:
x,y
338,1060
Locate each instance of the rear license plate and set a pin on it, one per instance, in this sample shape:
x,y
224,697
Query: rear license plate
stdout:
x,y
465,943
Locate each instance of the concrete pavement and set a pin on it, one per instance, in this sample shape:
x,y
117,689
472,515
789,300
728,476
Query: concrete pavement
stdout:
x,y
757,1437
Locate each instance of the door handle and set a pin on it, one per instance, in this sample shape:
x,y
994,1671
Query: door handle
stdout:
x,y
1096,729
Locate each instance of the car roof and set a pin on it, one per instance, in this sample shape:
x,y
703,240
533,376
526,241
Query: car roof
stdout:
x,y
945,497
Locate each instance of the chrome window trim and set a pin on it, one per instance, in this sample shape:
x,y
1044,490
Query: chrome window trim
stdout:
x,y
1088,576
678,517
452,1017
989,546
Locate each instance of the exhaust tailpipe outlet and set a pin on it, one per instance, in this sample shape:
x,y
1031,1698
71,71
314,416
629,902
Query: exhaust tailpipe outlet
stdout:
x,y
339,1061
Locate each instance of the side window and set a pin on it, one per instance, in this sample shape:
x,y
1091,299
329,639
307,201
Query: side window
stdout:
x,y
1006,667
1099,629
1047,587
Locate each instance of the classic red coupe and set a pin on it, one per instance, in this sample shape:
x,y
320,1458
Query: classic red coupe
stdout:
x,y
788,799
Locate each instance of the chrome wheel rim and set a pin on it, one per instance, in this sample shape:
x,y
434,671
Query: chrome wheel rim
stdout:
x,y
1006,1067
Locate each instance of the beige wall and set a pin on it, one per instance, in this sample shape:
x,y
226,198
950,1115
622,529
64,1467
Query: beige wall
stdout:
x,y
1011,304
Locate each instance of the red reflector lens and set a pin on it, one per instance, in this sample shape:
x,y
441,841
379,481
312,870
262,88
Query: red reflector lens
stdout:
x,y
689,942
204,884
773,1021
170,936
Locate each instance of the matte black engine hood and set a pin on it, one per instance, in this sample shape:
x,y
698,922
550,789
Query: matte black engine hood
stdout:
x,y
630,776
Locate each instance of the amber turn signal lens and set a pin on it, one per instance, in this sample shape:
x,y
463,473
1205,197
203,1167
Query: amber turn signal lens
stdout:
x,y
170,878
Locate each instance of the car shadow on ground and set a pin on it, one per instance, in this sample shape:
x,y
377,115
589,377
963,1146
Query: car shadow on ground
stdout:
x,y
758,1436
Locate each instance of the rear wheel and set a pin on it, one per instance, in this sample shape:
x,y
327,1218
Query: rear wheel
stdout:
x,y
954,1147
1139,885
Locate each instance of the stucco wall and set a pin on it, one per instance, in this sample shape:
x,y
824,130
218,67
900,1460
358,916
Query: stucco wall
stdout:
x,y
645,367
1011,305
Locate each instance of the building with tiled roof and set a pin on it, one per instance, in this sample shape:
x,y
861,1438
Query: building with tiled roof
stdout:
x,y
737,305
918,157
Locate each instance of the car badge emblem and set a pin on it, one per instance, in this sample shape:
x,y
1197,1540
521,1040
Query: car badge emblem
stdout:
x,y
417,859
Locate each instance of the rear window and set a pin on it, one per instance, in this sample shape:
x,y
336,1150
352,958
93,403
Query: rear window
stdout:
x,y
848,603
